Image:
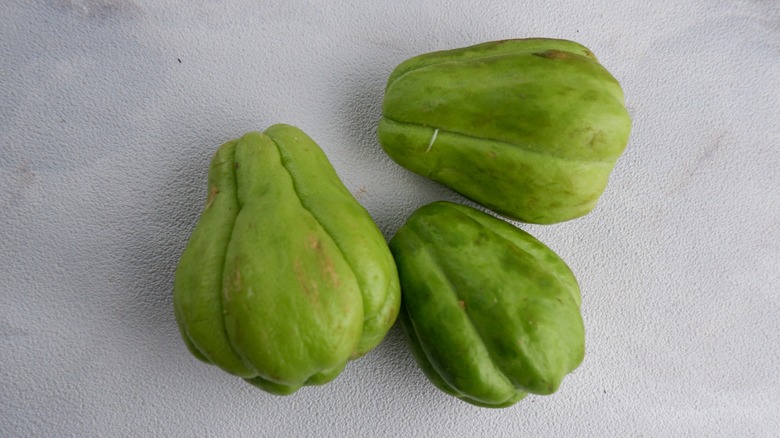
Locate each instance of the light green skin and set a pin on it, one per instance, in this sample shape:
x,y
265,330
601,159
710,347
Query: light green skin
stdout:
x,y
491,313
528,128
285,277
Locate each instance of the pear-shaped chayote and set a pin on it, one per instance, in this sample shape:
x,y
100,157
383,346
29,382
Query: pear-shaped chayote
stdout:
x,y
285,277
529,128
490,312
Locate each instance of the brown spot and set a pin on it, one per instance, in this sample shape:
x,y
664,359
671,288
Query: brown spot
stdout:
x,y
596,139
212,194
554,54
589,54
391,314
326,264
235,285
327,267
309,286
481,238
462,304
237,280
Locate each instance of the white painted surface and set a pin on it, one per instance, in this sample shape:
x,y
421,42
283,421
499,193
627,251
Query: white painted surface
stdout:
x,y
110,110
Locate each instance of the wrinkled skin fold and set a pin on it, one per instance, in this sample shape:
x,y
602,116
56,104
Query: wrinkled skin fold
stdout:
x,y
285,277
528,128
490,313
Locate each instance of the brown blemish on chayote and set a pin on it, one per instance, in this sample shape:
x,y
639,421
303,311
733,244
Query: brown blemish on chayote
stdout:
x,y
554,54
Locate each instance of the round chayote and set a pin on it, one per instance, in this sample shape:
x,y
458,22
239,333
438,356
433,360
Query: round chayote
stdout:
x,y
285,277
490,312
529,128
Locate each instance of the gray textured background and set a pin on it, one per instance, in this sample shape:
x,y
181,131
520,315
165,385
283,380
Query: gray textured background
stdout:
x,y
110,111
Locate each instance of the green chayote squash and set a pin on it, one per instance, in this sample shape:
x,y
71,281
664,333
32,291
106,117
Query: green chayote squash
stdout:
x,y
528,128
285,277
491,313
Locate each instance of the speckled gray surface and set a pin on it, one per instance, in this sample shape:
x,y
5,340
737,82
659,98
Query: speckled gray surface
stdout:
x,y
110,111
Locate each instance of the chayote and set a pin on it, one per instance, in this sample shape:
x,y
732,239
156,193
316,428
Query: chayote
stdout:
x,y
285,277
490,312
528,128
